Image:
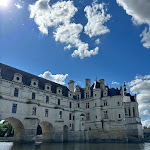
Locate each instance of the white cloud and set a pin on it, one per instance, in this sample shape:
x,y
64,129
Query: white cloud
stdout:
x,y
113,82
141,86
139,10
60,15
68,47
18,6
97,41
146,123
58,78
96,16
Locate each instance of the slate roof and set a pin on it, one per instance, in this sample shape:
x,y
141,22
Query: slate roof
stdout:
x,y
113,92
8,74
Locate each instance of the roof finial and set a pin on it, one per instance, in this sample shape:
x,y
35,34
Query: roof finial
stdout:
x,y
96,78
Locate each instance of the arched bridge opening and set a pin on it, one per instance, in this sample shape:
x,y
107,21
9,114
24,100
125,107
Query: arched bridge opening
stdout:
x,y
45,132
17,129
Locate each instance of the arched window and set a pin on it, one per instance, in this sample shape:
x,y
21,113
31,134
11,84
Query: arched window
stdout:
x,y
16,92
34,111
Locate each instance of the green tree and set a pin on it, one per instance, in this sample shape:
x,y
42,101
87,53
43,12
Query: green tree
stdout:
x,y
6,130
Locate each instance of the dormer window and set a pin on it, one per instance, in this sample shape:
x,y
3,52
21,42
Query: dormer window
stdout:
x,y
59,90
34,83
17,77
70,94
48,87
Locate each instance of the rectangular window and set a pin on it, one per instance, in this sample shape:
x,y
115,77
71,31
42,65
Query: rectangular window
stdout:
x,y
14,108
73,117
16,92
129,112
70,105
105,103
105,115
46,112
133,112
34,111
47,99
119,116
60,115
33,95
78,105
70,117
58,102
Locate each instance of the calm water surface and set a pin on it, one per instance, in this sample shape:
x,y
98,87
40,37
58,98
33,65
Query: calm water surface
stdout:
x,y
74,146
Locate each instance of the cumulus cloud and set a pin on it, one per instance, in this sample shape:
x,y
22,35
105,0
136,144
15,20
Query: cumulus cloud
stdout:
x,y
59,16
58,78
113,82
139,10
141,86
146,123
96,15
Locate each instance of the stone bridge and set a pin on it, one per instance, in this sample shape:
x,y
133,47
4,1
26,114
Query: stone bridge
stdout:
x,y
25,129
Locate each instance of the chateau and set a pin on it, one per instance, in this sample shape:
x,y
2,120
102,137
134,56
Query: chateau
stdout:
x,y
95,113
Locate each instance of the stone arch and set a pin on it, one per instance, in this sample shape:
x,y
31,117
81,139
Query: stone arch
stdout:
x,y
18,127
65,133
46,127
47,131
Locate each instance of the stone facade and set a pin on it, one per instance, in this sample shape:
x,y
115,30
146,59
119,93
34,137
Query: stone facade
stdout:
x,y
95,113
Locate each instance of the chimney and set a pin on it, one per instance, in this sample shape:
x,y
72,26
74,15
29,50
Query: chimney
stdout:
x,y
71,85
87,82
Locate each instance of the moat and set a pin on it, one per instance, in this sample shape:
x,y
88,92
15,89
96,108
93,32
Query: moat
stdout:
x,y
75,146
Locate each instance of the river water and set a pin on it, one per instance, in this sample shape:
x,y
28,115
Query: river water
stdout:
x,y
74,146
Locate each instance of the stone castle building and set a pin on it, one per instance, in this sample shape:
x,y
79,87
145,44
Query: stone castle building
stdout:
x,y
95,113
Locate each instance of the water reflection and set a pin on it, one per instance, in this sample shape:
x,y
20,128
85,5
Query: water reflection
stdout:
x,y
75,146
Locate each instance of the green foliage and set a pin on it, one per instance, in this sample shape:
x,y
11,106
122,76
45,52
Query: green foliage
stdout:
x,y
6,130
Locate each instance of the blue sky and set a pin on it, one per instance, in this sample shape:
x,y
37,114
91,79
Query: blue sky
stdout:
x,y
121,55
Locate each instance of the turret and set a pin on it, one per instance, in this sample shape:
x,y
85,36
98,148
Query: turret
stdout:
x,y
125,90
121,91
135,97
102,86
87,82
71,85
87,91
